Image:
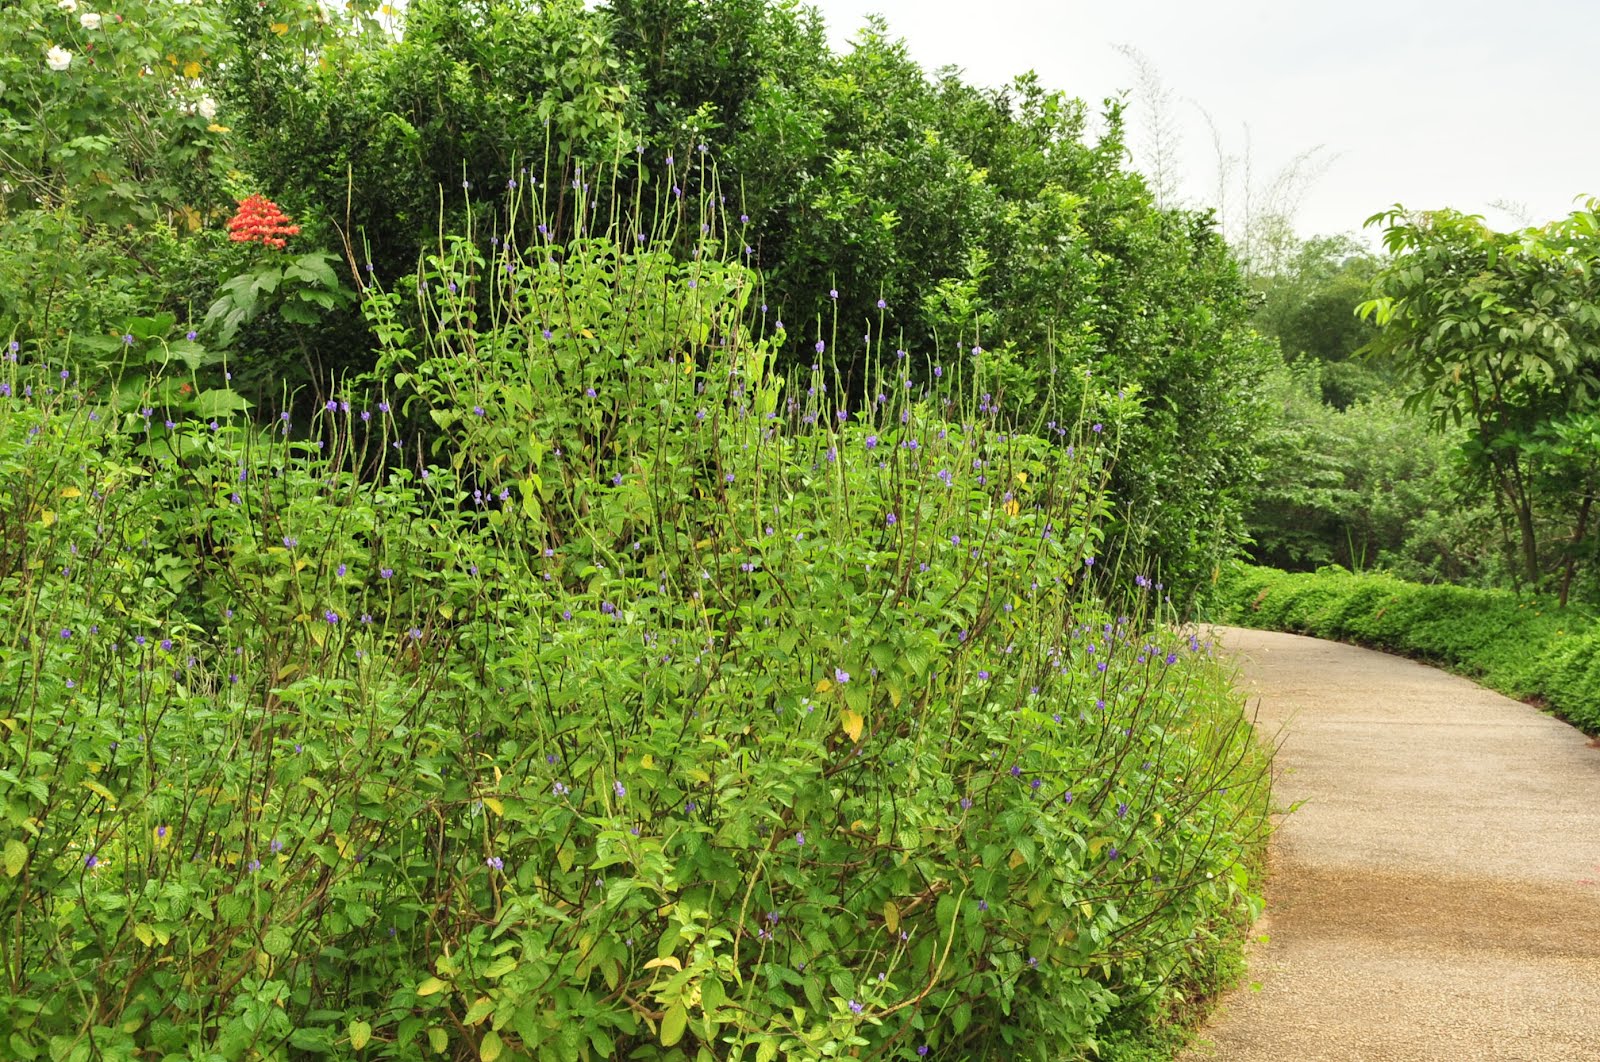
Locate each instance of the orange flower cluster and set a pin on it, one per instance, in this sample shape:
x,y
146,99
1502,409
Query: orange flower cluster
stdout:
x,y
260,220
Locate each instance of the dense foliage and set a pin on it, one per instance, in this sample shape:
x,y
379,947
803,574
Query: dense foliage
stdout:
x,y
1533,648
1499,334
954,221
661,706
1366,486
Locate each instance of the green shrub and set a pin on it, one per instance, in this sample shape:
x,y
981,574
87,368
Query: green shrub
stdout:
x,y
671,707
1524,647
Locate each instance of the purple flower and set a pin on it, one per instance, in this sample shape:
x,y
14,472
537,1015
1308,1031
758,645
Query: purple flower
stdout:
x,y
620,790
800,840
290,543
166,643
386,573
1016,771
276,845
65,634
494,863
821,346
559,790
127,339
891,520
841,676
966,803
856,1008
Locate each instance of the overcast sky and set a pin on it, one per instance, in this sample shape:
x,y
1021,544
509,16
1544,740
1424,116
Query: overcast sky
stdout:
x,y
1429,103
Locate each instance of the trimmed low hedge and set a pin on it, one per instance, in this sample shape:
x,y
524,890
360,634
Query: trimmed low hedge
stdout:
x,y
1525,647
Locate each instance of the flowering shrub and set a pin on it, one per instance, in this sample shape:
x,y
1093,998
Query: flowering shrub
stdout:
x,y
260,220
680,709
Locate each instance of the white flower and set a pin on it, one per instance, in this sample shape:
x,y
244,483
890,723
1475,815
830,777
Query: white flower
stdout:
x,y
69,6
90,20
57,58
207,108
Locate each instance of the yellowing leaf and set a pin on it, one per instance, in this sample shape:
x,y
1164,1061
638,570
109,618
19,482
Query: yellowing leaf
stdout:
x,y
16,857
824,686
47,517
191,69
647,762
100,791
895,695
673,1024
439,1039
1022,477
851,723
215,128
478,1011
1017,859
145,934
280,28
431,986
665,960
360,1033
891,916
494,805
71,492
491,1047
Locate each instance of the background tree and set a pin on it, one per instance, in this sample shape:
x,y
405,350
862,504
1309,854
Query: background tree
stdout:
x,y
1500,333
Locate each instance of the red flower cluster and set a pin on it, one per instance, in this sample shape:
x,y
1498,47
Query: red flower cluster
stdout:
x,y
259,219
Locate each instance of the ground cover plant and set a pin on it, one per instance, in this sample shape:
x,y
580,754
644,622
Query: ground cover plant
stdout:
x,y
1527,647
648,704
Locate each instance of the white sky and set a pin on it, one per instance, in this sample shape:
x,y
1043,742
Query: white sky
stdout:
x,y
1429,103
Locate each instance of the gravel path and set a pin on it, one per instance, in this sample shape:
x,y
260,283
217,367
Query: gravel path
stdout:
x,y
1436,896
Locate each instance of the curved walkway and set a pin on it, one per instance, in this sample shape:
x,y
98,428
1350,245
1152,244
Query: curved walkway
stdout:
x,y
1436,896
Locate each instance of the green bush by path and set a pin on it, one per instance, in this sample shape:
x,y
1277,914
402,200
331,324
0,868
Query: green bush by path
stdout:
x,y
1524,647
668,708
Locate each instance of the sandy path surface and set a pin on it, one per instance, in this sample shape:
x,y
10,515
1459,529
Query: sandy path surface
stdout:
x,y
1436,896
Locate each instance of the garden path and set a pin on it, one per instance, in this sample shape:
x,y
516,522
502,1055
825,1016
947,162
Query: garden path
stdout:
x,y
1436,896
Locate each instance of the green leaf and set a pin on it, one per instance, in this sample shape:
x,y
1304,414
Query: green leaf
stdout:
x,y
277,941
360,1033
501,966
218,402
